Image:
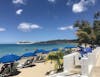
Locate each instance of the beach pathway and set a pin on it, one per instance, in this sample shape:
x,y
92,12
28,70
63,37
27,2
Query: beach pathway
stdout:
x,y
96,69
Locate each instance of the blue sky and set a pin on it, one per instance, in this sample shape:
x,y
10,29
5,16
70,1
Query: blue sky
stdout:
x,y
41,20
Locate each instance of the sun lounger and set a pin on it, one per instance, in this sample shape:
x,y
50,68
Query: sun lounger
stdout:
x,y
27,63
14,68
6,72
40,59
9,70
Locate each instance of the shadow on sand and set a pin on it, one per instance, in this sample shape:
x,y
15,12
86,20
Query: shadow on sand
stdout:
x,y
15,73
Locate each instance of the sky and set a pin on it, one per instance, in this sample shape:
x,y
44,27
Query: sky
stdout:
x,y
42,20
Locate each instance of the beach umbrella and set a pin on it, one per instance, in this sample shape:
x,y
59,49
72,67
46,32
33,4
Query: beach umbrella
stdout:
x,y
45,52
39,51
88,50
29,54
55,49
9,58
84,50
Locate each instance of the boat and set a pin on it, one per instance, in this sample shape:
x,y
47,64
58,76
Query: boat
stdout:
x,y
24,42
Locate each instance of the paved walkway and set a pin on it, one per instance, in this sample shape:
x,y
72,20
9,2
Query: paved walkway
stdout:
x,y
96,69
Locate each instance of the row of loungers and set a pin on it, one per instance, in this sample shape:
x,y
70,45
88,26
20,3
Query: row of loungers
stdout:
x,y
11,68
8,69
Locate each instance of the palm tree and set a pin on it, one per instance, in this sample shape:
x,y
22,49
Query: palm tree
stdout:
x,y
97,15
84,31
51,57
87,33
57,58
83,36
96,26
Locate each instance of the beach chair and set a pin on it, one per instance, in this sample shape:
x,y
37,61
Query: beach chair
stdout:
x,y
6,72
40,59
14,68
9,70
28,63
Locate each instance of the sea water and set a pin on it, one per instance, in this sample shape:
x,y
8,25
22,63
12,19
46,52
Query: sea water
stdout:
x,y
20,49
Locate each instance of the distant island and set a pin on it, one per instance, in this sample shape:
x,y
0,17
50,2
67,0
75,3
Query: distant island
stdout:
x,y
57,42
49,42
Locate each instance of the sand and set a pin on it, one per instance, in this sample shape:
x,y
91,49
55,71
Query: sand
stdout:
x,y
36,71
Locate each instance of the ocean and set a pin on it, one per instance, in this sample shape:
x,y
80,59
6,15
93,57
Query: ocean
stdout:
x,y
20,49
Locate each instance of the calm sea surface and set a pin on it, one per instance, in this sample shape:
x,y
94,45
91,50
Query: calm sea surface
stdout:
x,y
21,49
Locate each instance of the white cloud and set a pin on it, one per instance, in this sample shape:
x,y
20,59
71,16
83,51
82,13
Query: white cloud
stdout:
x,y
82,5
27,27
18,1
2,29
51,1
79,7
66,28
19,11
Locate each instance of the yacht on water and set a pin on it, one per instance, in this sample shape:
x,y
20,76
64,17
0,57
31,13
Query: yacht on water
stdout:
x,y
24,42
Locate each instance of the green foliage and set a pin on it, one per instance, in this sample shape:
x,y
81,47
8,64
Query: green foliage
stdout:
x,y
89,33
68,51
83,36
56,57
97,15
96,26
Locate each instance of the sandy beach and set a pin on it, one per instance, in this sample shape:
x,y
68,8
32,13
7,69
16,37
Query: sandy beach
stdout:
x,y
38,71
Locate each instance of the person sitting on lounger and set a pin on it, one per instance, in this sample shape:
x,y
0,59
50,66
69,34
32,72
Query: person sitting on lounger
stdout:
x,y
3,68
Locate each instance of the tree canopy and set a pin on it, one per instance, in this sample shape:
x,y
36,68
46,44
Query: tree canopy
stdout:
x,y
88,33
